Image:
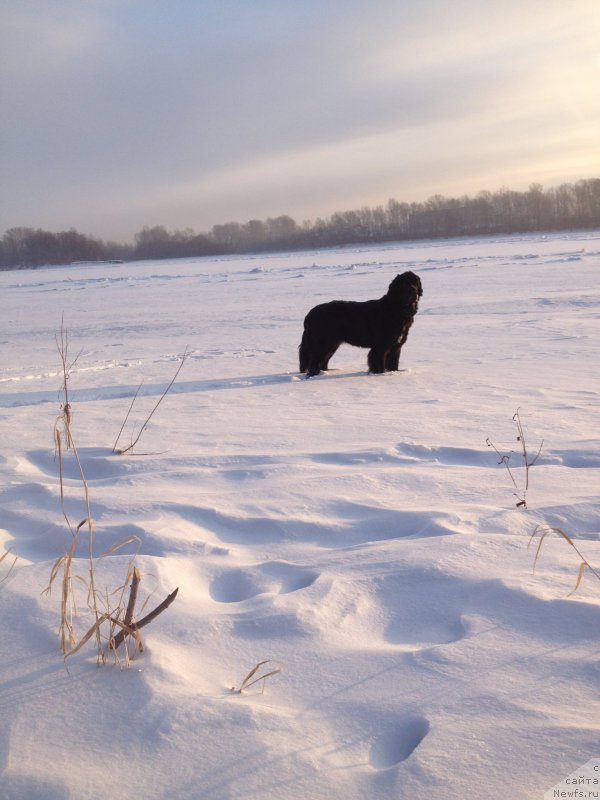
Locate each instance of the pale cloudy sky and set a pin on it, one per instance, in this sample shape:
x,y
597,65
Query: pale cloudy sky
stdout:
x,y
115,114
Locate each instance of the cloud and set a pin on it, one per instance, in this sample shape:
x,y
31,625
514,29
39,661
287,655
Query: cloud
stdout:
x,y
39,38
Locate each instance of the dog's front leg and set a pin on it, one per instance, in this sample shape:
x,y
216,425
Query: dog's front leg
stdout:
x,y
392,359
376,359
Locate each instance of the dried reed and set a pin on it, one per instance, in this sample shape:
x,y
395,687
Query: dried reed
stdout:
x,y
504,458
129,448
10,569
543,531
251,680
108,610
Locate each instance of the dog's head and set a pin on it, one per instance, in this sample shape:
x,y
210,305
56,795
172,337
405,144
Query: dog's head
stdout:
x,y
405,290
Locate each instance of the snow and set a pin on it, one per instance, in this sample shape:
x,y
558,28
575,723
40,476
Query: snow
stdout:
x,y
354,529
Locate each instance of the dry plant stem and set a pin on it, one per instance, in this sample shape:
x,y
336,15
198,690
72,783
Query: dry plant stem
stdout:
x,y
67,366
248,682
112,615
90,528
135,582
137,391
504,458
149,417
136,626
10,569
559,531
521,438
67,605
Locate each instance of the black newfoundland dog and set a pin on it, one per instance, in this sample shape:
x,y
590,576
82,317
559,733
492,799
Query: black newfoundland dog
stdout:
x,y
381,325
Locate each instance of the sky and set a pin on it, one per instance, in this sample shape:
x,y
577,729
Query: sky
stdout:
x,y
120,114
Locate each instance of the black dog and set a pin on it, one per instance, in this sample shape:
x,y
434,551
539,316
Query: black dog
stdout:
x,y
381,325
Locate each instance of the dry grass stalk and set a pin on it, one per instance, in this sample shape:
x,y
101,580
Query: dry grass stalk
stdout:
x,y
130,447
543,531
250,680
137,391
528,462
15,558
108,610
62,343
133,628
64,564
62,429
135,583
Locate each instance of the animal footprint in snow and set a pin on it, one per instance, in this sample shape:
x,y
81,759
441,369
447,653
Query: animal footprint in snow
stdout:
x,y
421,609
290,577
276,577
234,586
398,742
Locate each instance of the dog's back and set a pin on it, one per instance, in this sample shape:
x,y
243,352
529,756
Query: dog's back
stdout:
x,y
347,321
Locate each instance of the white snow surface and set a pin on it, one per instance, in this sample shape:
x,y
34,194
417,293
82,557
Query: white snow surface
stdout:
x,y
354,529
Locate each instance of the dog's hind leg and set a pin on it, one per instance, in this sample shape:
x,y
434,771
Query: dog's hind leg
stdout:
x,y
329,353
316,357
304,353
313,368
310,356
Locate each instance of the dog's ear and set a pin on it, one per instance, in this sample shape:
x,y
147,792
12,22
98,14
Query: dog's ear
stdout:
x,y
415,282
398,284
406,280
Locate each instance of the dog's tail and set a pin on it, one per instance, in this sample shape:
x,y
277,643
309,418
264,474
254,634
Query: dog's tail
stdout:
x,y
304,353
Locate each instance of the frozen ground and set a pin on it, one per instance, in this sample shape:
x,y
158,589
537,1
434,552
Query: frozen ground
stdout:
x,y
354,528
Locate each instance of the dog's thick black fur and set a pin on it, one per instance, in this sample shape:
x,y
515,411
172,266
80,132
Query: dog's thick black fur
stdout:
x,y
381,325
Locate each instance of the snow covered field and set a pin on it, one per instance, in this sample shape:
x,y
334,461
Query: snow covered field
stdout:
x,y
353,528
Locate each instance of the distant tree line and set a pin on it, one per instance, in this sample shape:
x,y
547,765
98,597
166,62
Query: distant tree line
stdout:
x,y
30,247
565,207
